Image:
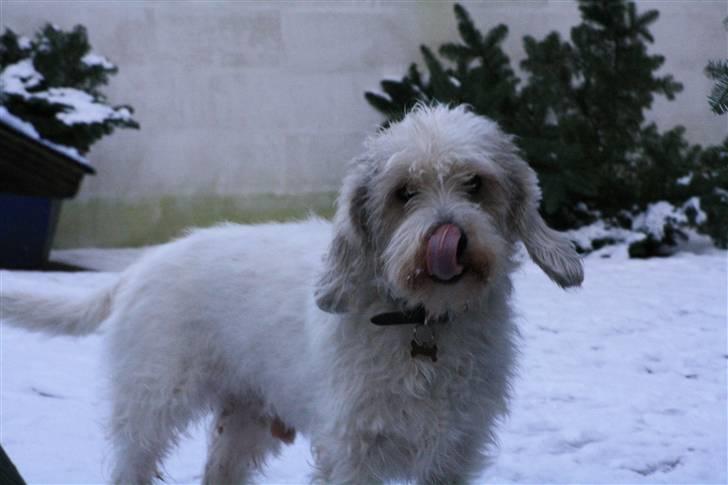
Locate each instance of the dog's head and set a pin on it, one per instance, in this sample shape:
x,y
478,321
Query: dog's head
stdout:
x,y
430,215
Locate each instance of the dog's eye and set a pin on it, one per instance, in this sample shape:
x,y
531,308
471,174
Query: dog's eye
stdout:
x,y
405,193
473,185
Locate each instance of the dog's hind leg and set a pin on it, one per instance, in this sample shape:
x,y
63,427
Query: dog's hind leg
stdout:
x,y
150,412
240,441
141,439
143,430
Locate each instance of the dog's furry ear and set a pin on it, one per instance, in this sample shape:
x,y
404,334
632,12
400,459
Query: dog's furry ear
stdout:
x,y
549,249
341,285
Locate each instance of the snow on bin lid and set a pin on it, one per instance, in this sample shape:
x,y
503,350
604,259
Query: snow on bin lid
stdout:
x,y
28,130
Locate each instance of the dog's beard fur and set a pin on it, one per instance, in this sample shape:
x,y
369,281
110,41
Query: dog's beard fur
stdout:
x,y
403,258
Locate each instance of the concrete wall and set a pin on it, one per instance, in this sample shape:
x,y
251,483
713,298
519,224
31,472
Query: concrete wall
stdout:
x,y
250,110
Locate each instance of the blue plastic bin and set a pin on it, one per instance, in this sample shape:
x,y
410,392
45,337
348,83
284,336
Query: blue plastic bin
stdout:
x,y
27,226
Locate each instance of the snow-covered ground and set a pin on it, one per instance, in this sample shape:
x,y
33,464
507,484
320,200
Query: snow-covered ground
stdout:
x,y
622,381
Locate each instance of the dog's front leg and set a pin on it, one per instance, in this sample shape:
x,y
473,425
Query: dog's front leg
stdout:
x,y
437,479
345,461
456,463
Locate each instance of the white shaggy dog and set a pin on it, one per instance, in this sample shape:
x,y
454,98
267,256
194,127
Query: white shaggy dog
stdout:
x,y
273,333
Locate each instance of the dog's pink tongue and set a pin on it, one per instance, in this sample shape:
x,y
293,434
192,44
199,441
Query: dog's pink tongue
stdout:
x,y
442,252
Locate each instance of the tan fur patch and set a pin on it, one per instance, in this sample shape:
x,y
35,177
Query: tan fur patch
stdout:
x,y
279,430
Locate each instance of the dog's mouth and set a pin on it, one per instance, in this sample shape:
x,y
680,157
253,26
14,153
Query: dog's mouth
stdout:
x,y
451,281
446,259
445,247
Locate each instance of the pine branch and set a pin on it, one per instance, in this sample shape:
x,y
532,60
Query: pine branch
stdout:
x,y
456,52
415,77
60,60
643,22
579,115
716,69
442,88
718,98
380,103
470,34
495,37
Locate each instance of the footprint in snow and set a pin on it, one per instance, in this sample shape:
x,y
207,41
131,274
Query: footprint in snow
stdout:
x,y
42,393
663,466
575,442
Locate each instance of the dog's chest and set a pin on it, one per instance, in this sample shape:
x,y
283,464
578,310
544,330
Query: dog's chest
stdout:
x,y
405,411
385,395
401,394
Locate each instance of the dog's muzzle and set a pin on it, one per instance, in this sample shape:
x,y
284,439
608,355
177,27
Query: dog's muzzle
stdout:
x,y
444,249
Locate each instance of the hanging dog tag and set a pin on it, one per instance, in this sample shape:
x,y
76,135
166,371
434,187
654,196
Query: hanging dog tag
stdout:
x,y
426,350
423,342
423,335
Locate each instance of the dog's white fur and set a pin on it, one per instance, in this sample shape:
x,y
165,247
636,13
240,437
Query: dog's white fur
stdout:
x,y
261,323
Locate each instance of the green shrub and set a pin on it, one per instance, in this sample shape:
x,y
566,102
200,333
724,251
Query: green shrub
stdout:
x,y
53,82
579,117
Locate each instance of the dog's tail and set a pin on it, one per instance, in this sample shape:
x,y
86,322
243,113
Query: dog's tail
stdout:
x,y
56,311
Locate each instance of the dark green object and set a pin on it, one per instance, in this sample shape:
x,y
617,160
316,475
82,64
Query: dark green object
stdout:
x,y
58,57
718,72
718,99
480,75
578,114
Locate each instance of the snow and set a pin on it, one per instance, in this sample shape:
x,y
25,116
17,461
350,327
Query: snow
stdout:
x,y
24,43
685,179
18,124
66,150
584,236
694,204
19,77
551,118
621,381
78,107
92,60
29,130
81,108
652,221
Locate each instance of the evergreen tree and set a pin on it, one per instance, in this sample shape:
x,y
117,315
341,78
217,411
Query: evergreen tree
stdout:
x,y
54,82
718,99
480,75
595,91
579,116
718,71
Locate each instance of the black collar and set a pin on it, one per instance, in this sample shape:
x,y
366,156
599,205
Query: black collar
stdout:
x,y
416,316
426,346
